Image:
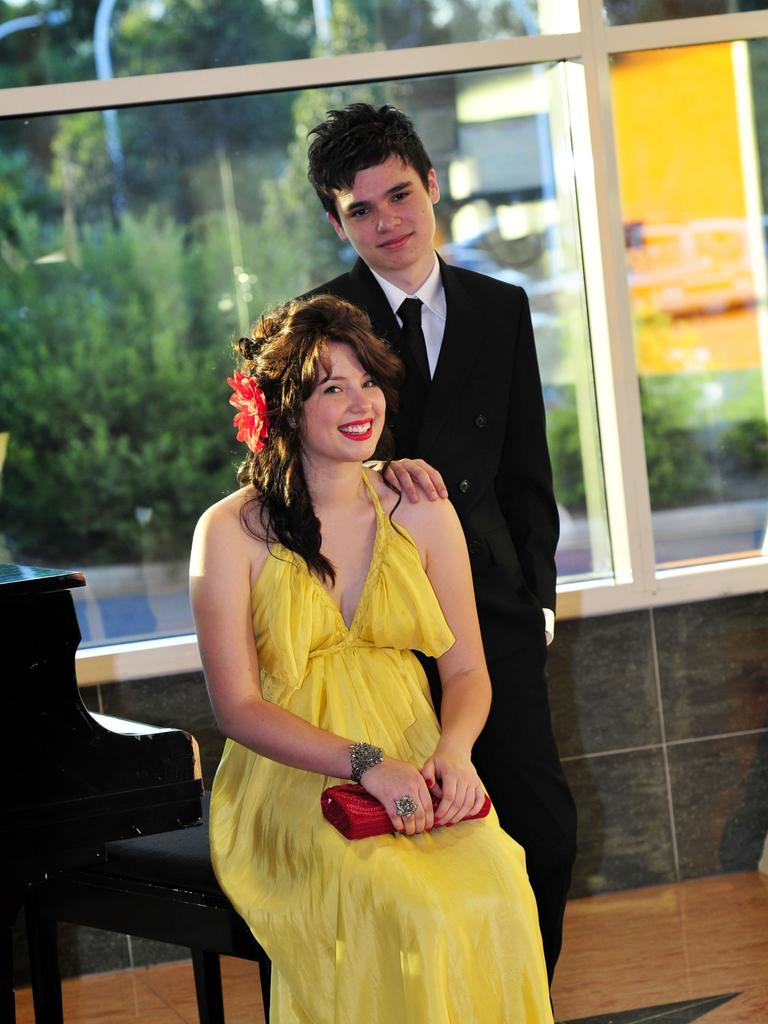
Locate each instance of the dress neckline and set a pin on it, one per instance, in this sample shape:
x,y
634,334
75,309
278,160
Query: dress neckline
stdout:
x,y
373,568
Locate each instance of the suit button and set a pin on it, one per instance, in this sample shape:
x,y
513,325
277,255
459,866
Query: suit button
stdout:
x,y
464,486
481,420
474,547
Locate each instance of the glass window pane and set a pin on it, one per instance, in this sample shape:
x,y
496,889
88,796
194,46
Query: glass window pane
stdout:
x,y
691,125
56,43
134,247
628,12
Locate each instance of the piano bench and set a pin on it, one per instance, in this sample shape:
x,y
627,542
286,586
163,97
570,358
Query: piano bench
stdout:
x,y
159,887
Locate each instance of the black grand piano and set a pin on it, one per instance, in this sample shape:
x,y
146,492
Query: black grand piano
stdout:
x,y
71,780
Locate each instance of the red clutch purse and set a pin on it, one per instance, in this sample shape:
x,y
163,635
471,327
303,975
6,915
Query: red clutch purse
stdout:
x,y
357,814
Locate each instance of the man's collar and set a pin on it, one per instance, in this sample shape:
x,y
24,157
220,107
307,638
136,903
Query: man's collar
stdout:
x,y
430,292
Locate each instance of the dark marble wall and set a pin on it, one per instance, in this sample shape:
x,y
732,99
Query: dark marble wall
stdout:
x,y
662,721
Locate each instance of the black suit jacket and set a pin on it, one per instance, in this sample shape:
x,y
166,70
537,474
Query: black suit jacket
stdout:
x,y
481,424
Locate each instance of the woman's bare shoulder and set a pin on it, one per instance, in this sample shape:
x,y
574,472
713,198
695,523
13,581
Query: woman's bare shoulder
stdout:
x,y
422,519
229,510
223,529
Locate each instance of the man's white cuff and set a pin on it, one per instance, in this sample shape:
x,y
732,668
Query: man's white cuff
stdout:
x,y
549,625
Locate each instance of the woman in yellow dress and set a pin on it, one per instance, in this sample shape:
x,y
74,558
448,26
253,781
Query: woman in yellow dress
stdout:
x,y
311,587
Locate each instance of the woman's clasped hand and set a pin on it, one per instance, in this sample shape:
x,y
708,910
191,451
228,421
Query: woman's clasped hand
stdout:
x,y
446,776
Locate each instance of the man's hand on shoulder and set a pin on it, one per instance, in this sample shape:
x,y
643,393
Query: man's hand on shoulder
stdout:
x,y
415,477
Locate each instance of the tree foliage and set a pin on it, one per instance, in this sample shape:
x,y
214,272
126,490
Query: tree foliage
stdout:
x,y
680,467
113,396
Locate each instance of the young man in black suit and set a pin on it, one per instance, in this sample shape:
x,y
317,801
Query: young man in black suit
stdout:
x,y
471,407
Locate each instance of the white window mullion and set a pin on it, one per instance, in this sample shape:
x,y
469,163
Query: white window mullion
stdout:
x,y
713,28
750,162
618,396
142,660
379,65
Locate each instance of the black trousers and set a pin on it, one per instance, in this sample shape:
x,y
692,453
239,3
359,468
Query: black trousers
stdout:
x,y
516,757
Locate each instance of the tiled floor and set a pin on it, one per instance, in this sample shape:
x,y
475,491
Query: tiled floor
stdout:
x,y
672,954
664,945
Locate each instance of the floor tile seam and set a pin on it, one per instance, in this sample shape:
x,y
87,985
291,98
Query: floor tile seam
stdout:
x,y
142,974
610,753
718,736
657,746
664,748
132,974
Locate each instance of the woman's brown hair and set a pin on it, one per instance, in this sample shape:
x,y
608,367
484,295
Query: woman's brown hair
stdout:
x,y
285,353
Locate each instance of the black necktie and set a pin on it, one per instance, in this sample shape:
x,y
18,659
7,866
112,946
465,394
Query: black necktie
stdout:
x,y
410,313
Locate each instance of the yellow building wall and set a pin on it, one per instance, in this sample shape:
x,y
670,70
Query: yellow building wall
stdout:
x,y
684,204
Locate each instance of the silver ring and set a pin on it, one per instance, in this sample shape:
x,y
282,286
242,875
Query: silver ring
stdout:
x,y
406,806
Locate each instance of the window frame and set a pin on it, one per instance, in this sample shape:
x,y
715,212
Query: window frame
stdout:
x,y
637,583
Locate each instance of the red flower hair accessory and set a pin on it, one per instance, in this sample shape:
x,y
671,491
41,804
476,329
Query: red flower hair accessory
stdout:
x,y
251,421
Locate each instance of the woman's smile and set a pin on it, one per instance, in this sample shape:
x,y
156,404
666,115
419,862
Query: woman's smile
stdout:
x,y
357,430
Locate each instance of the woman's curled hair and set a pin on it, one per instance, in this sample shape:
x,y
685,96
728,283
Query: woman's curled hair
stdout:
x,y
286,352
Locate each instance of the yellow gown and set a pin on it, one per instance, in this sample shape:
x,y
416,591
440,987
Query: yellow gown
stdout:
x,y
437,929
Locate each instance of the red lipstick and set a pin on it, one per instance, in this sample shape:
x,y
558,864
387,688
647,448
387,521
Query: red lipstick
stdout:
x,y
357,430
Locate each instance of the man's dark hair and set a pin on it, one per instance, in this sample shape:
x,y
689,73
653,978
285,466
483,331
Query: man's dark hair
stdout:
x,y
357,137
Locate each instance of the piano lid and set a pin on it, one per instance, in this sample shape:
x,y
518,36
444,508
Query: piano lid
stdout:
x,y
17,580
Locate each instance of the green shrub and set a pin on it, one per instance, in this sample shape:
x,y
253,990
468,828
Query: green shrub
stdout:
x,y
112,386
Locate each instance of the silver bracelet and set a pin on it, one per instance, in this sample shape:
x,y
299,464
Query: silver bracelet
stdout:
x,y
363,756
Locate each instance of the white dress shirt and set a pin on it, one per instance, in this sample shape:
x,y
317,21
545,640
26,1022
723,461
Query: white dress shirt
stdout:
x,y
433,309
